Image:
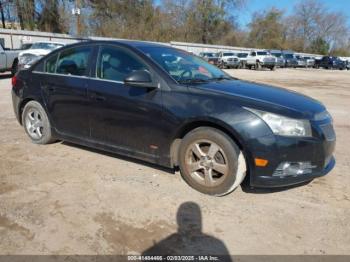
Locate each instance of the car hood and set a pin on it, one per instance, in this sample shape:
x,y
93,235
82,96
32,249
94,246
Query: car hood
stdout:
x,y
269,98
38,52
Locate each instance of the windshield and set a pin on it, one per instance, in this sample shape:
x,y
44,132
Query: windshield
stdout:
x,y
242,55
208,54
289,56
182,66
277,54
49,46
228,54
262,53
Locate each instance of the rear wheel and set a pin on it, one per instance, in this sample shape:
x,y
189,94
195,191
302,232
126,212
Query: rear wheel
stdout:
x,y
36,123
211,162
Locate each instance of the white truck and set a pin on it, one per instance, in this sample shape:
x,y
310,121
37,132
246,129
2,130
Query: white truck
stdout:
x,y
8,60
228,60
260,59
37,50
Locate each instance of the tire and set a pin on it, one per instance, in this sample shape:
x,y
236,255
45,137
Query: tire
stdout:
x,y
37,124
273,68
14,67
257,66
224,155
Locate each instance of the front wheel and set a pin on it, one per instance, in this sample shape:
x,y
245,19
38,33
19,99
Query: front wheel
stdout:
x,y
211,162
36,123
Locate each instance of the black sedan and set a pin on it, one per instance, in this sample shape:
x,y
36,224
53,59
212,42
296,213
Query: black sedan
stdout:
x,y
166,106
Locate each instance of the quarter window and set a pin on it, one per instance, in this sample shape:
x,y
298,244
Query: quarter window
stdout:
x,y
74,61
117,63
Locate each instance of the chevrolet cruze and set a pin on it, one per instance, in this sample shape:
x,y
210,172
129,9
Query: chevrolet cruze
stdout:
x,y
166,106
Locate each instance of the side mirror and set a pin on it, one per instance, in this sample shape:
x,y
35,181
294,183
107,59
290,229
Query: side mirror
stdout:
x,y
140,78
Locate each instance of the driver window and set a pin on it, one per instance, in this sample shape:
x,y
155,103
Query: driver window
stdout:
x,y
253,54
116,63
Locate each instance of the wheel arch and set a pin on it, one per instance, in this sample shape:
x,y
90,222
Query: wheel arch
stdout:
x,y
23,104
217,124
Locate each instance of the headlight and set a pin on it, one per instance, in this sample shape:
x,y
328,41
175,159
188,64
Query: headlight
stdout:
x,y
284,126
27,59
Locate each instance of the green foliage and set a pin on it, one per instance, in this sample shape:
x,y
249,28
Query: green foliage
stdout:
x,y
267,30
319,46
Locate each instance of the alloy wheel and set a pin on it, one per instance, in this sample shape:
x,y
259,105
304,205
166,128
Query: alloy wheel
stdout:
x,y
34,124
207,163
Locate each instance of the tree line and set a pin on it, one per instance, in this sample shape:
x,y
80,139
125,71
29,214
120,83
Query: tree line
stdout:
x,y
308,27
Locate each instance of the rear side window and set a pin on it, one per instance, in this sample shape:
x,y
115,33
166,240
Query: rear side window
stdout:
x,y
50,64
74,61
116,63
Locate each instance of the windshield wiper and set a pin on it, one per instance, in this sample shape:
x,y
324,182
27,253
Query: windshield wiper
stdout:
x,y
193,81
219,78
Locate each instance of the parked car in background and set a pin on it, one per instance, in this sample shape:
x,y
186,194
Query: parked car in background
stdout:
x,y
228,60
38,49
310,61
300,60
261,59
290,60
242,59
26,46
331,62
121,97
348,64
280,62
8,60
210,57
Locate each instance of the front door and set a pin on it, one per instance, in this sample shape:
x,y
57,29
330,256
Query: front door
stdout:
x,y
125,117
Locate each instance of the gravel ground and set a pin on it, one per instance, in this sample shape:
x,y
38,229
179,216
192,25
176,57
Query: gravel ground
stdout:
x,y
65,199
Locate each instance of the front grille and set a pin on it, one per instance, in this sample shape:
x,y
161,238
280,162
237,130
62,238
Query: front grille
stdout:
x,y
269,60
328,132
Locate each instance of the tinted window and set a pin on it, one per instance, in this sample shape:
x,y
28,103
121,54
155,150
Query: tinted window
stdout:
x,y
116,63
262,53
229,54
74,61
242,55
50,64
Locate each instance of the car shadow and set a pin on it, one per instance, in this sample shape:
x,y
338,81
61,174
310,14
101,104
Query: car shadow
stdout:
x,y
246,188
122,157
189,240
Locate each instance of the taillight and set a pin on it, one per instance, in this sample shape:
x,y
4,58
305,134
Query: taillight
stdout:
x,y
14,81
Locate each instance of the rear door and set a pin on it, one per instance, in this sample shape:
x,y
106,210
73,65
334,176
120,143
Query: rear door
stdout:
x,y
125,117
64,87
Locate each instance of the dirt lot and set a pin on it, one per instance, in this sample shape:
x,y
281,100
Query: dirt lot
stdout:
x,y
64,199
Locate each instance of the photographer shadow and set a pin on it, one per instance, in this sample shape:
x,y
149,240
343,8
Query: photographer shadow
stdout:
x,y
189,240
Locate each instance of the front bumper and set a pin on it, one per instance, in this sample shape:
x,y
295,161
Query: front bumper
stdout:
x,y
317,150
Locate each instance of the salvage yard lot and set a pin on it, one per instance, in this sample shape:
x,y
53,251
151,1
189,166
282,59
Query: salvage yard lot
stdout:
x,y
65,199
